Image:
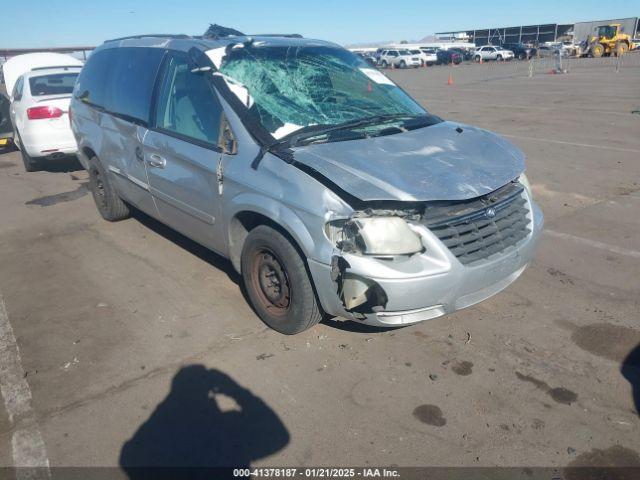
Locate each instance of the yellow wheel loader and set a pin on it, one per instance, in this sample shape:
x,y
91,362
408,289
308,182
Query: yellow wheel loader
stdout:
x,y
609,41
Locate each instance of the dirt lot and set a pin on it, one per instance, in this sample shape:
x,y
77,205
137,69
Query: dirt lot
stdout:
x,y
126,330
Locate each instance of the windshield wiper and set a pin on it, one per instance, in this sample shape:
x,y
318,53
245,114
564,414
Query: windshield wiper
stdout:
x,y
315,130
281,147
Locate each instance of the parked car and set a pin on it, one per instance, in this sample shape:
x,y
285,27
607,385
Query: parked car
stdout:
x,y
368,58
520,50
490,52
545,51
331,191
447,56
398,58
41,85
416,52
6,128
431,56
466,54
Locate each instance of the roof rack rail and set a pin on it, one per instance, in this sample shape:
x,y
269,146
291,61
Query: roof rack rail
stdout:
x,y
158,35
285,35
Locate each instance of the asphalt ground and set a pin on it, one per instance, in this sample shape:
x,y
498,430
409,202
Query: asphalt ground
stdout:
x,y
127,343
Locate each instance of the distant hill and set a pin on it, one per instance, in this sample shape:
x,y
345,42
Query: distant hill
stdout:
x,y
427,39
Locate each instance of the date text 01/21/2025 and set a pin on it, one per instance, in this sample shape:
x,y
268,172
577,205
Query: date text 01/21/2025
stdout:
x,y
323,472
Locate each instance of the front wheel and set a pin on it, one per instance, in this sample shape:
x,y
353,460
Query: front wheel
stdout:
x,y
403,64
277,282
477,58
384,64
499,58
597,50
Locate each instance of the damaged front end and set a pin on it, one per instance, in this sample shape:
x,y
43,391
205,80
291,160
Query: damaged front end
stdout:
x,y
383,235
398,266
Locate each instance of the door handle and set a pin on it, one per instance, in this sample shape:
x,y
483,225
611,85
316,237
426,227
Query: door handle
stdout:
x,y
156,161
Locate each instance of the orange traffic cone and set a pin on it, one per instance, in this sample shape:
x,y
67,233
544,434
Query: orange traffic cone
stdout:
x,y
480,61
450,79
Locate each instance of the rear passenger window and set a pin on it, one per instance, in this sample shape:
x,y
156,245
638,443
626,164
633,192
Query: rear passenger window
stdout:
x,y
93,77
131,78
187,104
120,80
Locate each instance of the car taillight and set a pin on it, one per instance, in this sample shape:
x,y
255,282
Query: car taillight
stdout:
x,y
39,113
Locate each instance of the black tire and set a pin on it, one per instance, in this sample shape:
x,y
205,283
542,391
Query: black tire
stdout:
x,y
477,58
277,283
522,56
403,64
384,64
31,164
108,202
499,58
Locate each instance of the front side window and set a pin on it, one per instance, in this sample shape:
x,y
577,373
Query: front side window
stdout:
x,y
290,88
53,84
187,104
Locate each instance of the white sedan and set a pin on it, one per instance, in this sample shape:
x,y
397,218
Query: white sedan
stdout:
x,y
40,97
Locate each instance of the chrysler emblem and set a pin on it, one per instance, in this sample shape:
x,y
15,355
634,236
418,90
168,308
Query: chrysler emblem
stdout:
x,y
490,212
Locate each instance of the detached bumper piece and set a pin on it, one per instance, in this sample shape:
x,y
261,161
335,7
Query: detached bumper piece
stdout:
x,y
478,229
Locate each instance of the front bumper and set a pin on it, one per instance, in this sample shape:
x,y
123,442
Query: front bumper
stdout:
x,y
427,285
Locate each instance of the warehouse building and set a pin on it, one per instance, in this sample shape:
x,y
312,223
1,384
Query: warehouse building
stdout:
x,y
537,34
583,30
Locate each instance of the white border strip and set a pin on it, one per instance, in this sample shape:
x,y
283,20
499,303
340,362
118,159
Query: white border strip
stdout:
x,y
27,444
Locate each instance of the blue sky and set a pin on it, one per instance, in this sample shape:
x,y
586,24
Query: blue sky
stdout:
x,y
44,23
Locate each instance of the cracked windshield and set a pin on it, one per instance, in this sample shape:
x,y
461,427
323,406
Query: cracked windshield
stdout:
x,y
289,88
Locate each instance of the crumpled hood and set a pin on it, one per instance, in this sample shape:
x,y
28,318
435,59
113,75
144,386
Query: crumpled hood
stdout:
x,y
431,163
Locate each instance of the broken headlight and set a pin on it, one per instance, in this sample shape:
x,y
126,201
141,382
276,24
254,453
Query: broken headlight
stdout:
x,y
374,236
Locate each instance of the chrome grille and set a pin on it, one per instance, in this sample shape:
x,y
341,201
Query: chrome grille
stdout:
x,y
482,227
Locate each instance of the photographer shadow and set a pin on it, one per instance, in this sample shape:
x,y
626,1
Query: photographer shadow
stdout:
x,y
189,431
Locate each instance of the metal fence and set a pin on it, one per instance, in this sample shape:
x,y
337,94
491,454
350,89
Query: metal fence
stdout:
x,y
472,72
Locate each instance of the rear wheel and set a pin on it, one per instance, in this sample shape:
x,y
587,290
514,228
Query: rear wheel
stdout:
x,y
31,164
109,203
499,58
384,64
621,49
277,282
522,56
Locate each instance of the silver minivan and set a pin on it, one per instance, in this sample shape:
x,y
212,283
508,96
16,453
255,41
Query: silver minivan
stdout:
x,y
328,188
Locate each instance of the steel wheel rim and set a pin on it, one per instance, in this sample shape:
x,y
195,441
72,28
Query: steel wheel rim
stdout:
x,y
270,281
99,190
